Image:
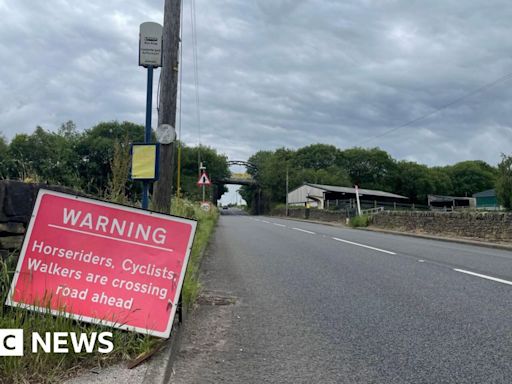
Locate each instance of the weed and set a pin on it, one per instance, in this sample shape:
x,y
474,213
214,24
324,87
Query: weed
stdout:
x,y
360,221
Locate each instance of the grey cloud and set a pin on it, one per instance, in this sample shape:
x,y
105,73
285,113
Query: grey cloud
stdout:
x,y
274,73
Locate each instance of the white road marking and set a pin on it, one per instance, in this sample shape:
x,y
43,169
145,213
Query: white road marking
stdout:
x,y
421,261
484,276
279,225
265,221
303,230
364,246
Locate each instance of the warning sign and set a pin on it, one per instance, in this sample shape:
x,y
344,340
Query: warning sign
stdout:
x,y
103,263
204,180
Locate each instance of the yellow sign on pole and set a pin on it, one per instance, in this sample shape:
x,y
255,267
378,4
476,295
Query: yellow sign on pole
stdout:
x,y
144,161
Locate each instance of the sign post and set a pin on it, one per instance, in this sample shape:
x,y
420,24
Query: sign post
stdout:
x,y
147,131
102,263
358,202
150,56
203,181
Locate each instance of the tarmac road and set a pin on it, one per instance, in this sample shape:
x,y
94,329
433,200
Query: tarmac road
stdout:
x,y
322,304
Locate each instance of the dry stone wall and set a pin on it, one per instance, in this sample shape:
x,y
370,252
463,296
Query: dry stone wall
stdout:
x,y
491,226
16,203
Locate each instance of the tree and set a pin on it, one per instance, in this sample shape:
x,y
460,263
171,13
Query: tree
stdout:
x,y
46,157
441,181
413,181
95,148
369,168
316,156
5,159
471,176
216,167
267,173
68,130
504,182
312,164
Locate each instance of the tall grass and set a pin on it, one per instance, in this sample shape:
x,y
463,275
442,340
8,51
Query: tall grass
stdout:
x,y
206,222
360,221
52,367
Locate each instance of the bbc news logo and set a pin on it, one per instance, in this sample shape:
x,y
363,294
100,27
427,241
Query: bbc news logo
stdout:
x,y
12,342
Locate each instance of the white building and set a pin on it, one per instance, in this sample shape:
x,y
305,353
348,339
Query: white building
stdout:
x,y
319,196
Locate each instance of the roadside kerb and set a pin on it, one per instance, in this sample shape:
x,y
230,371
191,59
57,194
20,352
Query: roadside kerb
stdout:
x,y
160,365
158,368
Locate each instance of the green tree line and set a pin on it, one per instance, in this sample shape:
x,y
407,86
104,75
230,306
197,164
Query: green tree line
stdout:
x,y
96,160
371,168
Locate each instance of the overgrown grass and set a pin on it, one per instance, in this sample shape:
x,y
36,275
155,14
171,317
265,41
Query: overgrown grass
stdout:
x,y
359,221
52,368
206,222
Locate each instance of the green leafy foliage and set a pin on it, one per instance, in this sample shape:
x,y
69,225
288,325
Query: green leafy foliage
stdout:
x,y
472,177
359,221
413,181
504,182
370,168
44,156
95,149
216,167
97,160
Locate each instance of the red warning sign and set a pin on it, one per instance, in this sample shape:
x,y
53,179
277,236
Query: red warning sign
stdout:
x,y
204,180
103,263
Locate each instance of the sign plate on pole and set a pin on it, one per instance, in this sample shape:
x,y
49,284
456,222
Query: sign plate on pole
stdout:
x,y
102,263
204,180
144,164
205,206
150,45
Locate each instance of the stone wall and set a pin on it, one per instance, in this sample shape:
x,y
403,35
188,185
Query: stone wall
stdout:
x,y
491,226
16,203
312,214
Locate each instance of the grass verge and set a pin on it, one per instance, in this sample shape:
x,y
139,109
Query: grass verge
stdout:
x,y
206,222
52,367
359,221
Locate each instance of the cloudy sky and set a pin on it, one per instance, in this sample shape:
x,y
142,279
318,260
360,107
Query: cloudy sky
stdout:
x,y
275,73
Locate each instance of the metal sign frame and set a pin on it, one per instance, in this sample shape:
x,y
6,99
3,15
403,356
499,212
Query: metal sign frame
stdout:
x,y
95,320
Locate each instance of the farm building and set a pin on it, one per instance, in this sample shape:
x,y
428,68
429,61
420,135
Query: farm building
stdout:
x,y
325,196
450,202
487,200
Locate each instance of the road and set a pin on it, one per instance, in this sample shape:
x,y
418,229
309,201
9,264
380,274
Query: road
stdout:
x,y
321,304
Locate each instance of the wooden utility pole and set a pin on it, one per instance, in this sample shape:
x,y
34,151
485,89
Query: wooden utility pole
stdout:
x,y
167,107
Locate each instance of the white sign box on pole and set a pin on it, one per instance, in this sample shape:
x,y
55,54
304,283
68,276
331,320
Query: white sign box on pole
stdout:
x,y
150,45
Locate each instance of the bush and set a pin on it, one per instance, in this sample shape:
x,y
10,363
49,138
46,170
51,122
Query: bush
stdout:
x,y
360,221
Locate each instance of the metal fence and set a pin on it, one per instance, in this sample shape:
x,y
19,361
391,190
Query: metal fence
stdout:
x,y
350,204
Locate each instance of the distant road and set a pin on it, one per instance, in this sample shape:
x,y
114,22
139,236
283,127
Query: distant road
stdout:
x,y
232,211
322,304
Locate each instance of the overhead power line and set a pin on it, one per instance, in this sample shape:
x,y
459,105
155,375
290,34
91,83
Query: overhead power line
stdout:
x,y
196,74
481,89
